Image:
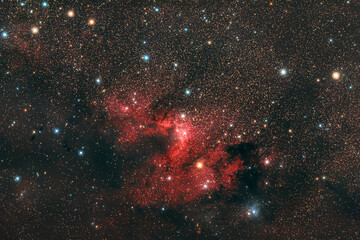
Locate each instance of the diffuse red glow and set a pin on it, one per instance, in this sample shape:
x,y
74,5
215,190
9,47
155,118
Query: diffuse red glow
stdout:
x,y
189,168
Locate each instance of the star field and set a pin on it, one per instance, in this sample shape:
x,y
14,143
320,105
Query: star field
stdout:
x,y
179,120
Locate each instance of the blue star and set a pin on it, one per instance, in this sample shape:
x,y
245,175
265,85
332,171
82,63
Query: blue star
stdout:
x,y
81,153
56,130
4,34
156,9
331,40
98,81
320,125
253,211
44,4
187,92
162,209
186,29
146,58
144,42
17,178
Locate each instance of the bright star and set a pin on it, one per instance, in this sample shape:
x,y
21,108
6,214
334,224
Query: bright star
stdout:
x,y
17,178
4,34
98,80
146,58
253,211
336,75
283,72
81,153
91,22
35,30
187,92
44,4
56,130
71,13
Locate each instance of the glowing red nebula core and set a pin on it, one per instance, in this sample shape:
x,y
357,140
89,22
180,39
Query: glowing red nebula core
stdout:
x,y
189,168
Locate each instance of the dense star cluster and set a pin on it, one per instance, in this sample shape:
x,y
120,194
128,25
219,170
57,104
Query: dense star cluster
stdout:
x,y
179,119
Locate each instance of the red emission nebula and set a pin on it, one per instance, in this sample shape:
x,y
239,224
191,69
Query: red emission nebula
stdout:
x,y
189,167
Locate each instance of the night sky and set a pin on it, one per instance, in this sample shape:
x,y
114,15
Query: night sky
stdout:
x,y
179,119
